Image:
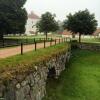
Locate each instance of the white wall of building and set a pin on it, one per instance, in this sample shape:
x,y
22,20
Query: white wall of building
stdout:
x,y
31,26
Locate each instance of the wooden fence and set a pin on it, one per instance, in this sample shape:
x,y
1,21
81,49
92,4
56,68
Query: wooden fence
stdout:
x,y
50,42
16,42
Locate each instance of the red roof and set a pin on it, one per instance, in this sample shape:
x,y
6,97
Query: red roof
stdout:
x,y
66,32
32,15
97,32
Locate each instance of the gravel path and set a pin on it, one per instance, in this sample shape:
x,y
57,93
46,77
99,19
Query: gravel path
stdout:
x,y
7,52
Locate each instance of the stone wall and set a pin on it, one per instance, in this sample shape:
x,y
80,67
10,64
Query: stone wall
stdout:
x,y
89,46
32,86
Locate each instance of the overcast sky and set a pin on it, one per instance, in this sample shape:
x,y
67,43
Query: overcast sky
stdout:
x,y
63,7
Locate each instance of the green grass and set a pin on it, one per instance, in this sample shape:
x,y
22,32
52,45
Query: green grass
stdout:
x,y
16,41
54,35
27,61
80,80
91,40
25,40
24,37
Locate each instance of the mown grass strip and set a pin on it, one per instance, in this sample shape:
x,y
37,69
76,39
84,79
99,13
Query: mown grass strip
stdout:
x,y
31,57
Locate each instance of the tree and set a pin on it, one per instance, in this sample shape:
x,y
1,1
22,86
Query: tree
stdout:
x,y
47,24
81,22
13,17
61,29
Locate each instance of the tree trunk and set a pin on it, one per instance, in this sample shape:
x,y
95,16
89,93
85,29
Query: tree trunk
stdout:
x,y
73,35
46,35
79,38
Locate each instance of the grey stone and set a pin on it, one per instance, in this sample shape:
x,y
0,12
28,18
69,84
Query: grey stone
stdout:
x,y
10,92
2,88
18,86
26,89
20,94
33,86
24,83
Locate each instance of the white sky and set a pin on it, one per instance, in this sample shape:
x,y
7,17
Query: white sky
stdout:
x,y
63,7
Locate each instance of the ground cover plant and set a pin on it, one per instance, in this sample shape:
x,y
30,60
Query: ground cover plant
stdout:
x,y
89,39
21,63
80,80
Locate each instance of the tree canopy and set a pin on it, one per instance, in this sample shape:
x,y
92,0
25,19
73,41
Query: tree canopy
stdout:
x,y
13,17
47,23
81,22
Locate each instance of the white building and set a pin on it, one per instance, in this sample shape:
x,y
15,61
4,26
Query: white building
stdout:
x,y
31,24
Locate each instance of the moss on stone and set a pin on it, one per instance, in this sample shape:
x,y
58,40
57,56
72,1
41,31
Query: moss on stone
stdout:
x,y
12,66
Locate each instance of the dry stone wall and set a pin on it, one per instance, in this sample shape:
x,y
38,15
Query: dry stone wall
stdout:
x,y
89,46
33,85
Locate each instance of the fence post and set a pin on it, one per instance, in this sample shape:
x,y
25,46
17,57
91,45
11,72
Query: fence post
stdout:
x,y
44,43
51,42
35,46
59,40
17,41
55,41
3,42
21,48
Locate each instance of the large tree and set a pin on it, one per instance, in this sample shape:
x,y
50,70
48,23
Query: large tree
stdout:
x,y
13,17
81,22
47,24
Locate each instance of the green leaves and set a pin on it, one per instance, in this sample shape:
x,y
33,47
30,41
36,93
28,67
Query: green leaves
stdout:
x,y
12,16
47,23
81,22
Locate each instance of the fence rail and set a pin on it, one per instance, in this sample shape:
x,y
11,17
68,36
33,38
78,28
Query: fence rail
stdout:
x,y
16,42
23,48
46,43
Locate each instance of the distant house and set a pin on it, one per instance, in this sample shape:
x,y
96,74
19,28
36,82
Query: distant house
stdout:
x,y
31,24
97,32
66,33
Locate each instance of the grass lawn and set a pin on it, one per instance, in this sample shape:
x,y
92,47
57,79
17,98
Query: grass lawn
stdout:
x,y
53,35
24,37
88,39
27,61
91,40
80,80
